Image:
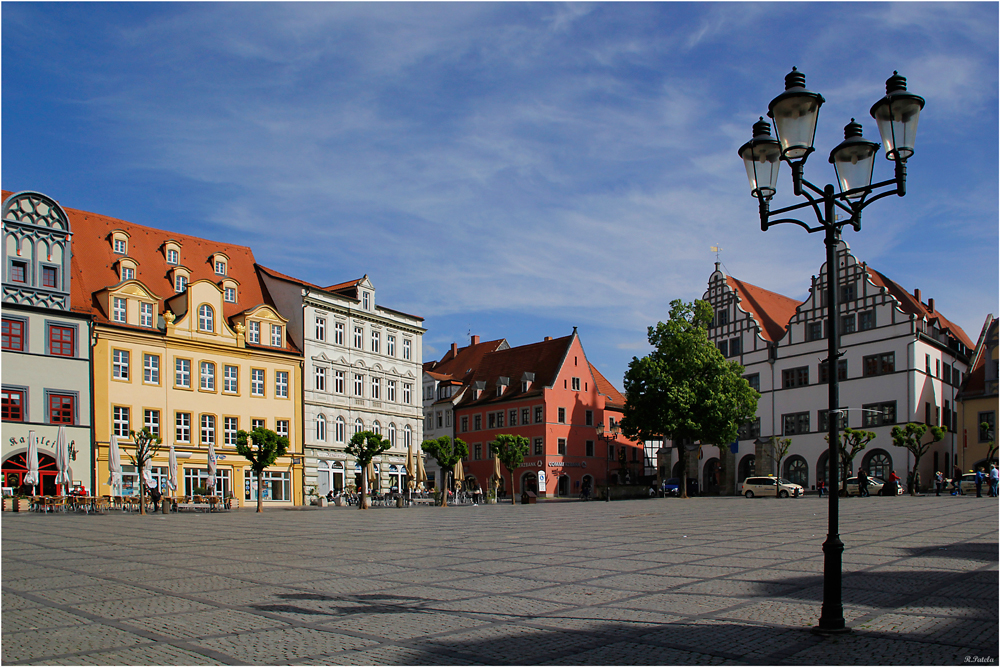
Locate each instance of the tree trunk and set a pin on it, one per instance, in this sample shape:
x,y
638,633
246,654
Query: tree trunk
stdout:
x,y
915,477
684,473
142,489
444,489
363,502
512,494
260,490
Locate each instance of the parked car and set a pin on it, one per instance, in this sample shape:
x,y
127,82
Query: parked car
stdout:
x,y
875,485
968,483
769,486
672,487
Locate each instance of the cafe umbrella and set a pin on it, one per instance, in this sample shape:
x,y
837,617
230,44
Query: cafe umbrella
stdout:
x,y
172,469
62,461
31,477
211,468
115,465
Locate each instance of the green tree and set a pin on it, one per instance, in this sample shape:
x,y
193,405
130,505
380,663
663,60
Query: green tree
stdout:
x,y
447,453
777,449
852,442
364,447
146,447
991,444
261,448
685,389
909,438
511,450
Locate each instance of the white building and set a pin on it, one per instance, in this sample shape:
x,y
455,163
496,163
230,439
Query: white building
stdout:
x,y
361,373
903,362
46,345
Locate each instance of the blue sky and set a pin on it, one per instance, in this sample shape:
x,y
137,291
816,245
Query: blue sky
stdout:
x,y
510,169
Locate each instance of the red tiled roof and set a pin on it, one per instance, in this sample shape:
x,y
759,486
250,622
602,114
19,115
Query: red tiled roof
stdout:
x,y
772,310
543,359
468,358
614,397
278,274
910,304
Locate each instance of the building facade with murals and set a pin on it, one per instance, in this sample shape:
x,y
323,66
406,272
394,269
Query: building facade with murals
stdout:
x,y
46,345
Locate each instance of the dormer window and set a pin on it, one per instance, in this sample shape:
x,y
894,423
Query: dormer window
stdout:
x,y
128,273
253,332
145,314
366,300
220,268
276,330
206,318
180,283
118,310
173,257
230,294
121,247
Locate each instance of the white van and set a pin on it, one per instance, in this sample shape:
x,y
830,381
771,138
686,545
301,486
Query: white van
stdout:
x,y
770,487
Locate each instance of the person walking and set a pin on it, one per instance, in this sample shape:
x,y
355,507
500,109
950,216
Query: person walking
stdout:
x,y
994,479
820,486
938,482
863,484
893,484
956,482
979,482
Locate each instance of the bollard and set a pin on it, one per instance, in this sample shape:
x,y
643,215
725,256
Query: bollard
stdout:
x,y
17,504
165,505
399,501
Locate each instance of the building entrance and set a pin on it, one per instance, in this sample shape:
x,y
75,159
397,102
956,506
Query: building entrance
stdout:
x,y
15,468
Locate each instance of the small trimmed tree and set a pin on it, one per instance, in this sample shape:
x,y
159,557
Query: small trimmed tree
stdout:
x,y
685,389
909,438
511,450
852,442
991,444
447,453
777,450
364,447
261,447
146,447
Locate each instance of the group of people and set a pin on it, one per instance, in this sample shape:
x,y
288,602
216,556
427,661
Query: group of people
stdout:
x,y
992,478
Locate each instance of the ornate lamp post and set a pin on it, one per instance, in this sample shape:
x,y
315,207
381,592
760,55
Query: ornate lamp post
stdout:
x,y
795,113
608,439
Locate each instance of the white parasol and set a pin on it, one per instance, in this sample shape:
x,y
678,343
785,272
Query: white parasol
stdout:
x,y
62,460
211,467
172,470
31,477
115,466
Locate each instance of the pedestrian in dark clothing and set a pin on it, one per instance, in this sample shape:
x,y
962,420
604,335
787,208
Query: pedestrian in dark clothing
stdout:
x,y
956,482
820,486
979,482
863,484
938,482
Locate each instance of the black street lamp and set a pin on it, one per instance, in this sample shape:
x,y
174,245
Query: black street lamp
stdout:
x,y
608,439
795,113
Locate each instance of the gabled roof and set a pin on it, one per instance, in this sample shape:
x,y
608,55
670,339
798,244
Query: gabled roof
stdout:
x,y
975,380
457,365
912,305
544,359
772,311
614,398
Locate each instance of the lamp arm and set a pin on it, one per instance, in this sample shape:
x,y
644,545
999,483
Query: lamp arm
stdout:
x,y
812,187
887,193
791,221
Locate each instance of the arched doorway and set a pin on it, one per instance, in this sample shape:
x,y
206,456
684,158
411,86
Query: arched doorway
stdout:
x,y
748,467
15,467
797,471
712,477
529,482
587,485
824,474
562,488
877,463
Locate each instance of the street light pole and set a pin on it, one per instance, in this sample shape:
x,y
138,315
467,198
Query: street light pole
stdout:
x,y
795,113
608,439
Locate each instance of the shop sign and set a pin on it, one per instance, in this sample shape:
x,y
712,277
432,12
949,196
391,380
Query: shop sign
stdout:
x,y
44,442
567,464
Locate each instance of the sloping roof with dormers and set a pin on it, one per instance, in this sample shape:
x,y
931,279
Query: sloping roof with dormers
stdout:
x,y
772,311
544,359
911,304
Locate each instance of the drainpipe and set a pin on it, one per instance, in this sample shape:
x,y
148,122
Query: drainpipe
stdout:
x,y
92,338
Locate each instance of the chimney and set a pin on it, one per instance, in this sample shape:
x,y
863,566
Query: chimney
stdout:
x,y
930,305
454,350
548,338
916,295
475,340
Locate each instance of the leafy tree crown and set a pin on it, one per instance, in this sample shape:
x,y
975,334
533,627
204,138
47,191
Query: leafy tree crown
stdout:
x,y
511,450
261,447
365,446
446,452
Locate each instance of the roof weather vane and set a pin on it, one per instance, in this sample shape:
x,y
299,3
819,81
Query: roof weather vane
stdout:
x,y
717,250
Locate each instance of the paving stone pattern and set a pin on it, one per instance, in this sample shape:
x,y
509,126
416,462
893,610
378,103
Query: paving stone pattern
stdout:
x,y
643,582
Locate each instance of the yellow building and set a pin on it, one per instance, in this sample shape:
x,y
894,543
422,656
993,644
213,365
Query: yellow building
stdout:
x,y
187,342
978,402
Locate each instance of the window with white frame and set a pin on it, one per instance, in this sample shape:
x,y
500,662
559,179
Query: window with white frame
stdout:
x,y
406,349
320,328
281,427
230,426
407,436
338,382
150,369
390,345
281,384
376,388
390,390
173,257
206,318
120,418
358,336
257,382
320,379
128,273
276,338
220,268
231,379
145,315
340,430
257,423
119,310
120,364
277,486
392,434
253,332
366,300
207,376
359,426
151,420
182,372
321,428
182,423
208,429
338,333
359,381
375,340
120,246
180,283
230,294
376,428
407,391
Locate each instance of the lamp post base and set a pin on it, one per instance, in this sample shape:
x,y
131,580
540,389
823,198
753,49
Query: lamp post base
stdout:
x,y
819,630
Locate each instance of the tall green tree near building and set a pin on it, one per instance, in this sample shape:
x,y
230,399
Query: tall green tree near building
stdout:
x,y
364,447
511,450
853,441
909,437
261,448
146,447
685,389
447,453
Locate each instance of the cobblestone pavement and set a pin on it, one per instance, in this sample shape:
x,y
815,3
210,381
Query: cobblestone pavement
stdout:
x,y
660,581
